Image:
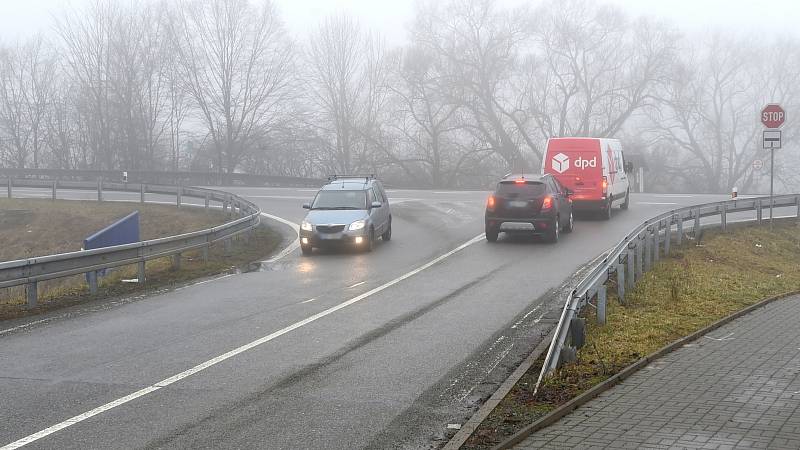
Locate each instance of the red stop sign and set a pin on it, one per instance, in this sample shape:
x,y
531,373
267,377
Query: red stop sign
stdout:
x,y
772,116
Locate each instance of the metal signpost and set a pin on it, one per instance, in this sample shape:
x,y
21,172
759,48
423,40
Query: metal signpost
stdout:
x,y
772,116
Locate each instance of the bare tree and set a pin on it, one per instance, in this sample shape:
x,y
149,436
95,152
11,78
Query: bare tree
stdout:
x,y
236,64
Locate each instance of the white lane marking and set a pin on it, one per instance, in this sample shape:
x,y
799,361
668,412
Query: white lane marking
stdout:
x,y
293,246
309,300
356,285
26,325
204,282
655,203
214,361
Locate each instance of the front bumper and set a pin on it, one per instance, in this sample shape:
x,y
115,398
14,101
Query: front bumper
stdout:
x,y
318,239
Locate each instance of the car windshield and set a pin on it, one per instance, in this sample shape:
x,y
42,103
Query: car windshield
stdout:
x,y
340,200
527,190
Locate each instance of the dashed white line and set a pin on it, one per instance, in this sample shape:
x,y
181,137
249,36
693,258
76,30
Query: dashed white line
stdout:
x,y
356,285
308,301
212,362
23,326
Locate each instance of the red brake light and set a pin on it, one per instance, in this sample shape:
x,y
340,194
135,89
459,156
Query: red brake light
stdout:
x,y
520,181
490,203
605,184
547,203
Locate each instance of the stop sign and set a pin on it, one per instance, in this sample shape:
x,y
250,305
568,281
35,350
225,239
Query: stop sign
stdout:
x,y
772,116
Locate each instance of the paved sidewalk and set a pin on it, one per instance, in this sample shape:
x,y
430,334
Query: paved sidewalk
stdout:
x,y
738,387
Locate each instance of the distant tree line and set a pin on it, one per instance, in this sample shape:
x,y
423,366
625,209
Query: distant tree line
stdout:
x,y
219,85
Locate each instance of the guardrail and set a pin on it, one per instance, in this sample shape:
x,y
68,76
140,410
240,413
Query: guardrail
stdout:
x,y
29,272
632,257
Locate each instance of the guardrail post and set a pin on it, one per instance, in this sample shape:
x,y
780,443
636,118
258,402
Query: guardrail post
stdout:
x,y
601,304
142,274
723,217
32,294
10,184
797,200
179,196
99,189
176,261
668,237
142,189
205,254
225,205
92,278
680,229
639,259
55,186
621,282
648,251
657,243
759,212
228,245
630,277
696,228
207,201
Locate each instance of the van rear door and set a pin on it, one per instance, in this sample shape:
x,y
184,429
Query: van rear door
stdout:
x,y
578,165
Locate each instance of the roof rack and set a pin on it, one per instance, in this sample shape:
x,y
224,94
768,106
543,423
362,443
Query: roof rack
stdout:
x,y
365,177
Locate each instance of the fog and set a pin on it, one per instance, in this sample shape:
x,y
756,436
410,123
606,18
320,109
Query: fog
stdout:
x,y
426,94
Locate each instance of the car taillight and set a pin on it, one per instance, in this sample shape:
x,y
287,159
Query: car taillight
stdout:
x,y
490,203
605,185
547,203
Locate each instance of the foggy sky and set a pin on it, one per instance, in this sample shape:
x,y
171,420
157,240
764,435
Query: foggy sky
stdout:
x,y
754,18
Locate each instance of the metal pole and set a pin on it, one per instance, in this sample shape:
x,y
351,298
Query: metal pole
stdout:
x,y
723,217
180,193
639,263
680,229
10,184
55,183
657,242
621,282
648,251
99,189
631,275
32,294
142,188
601,305
668,236
759,211
771,184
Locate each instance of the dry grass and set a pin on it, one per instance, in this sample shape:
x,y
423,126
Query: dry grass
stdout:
x,y
697,286
79,219
37,227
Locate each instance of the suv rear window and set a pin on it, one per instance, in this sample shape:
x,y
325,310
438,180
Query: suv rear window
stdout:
x,y
529,189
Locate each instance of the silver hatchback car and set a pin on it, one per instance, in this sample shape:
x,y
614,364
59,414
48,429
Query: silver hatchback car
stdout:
x,y
348,211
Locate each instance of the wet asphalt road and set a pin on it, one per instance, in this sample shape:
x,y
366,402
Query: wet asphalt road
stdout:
x,y
410,351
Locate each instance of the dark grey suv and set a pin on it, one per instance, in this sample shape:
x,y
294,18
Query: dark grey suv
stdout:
x,y
349,211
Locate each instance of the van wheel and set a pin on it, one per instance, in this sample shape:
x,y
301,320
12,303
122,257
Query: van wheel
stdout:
x,y
570,225
555,232
491,234
627,200
606,214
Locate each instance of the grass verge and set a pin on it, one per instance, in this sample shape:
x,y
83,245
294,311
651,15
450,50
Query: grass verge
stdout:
x,y
156,221
697,286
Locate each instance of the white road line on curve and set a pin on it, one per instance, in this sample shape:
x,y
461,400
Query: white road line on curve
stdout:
x,y
212,362
293,246
356,285
309,300
26,325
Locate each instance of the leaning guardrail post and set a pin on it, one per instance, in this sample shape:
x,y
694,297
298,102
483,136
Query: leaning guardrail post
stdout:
x,y
142,274
602,297
723,217
696,228
32,294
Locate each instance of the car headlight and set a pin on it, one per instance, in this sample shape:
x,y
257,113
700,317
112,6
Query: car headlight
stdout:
x,y
305,226
358,225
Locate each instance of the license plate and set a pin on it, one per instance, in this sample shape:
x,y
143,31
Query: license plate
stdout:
x,y
517,204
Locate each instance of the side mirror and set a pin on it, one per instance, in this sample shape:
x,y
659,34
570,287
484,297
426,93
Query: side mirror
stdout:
x,y
376,204
306,205
628,167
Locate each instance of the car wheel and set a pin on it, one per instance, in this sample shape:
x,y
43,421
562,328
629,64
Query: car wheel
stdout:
x,y
570,224
370,240
627,200
306,249
387,236
555,231
491,234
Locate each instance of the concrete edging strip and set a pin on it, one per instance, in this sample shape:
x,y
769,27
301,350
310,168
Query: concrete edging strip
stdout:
x,y
617,378
485,409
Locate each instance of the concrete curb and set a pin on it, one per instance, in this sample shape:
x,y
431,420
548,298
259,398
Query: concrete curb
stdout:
x,y
483,412
617,378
